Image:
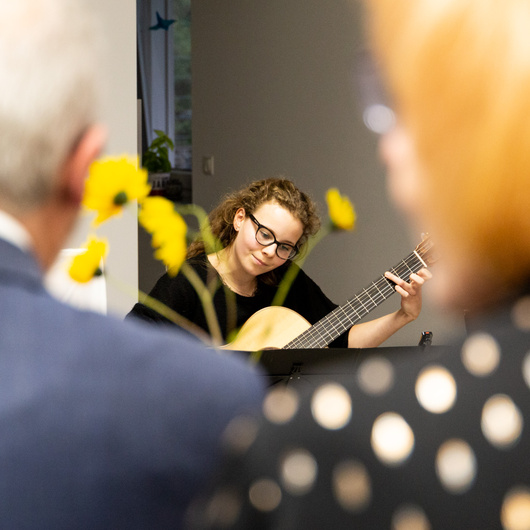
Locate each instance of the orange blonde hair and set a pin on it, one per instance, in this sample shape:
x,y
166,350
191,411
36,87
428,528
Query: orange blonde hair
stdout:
x,y
459,75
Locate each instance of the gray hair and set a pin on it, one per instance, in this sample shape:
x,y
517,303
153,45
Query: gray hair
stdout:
x,y
49,93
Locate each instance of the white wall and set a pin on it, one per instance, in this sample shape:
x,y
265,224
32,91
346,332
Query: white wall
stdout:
x,y
273,93
120,115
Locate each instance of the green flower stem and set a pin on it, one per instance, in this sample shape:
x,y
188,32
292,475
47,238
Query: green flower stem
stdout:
x,y
175,317
191,209
206,299
204,294
290,275
162,309
210,242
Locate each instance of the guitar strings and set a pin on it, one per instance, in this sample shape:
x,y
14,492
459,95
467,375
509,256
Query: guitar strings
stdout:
x,y
333,325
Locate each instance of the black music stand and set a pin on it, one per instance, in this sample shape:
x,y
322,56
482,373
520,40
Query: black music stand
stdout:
x,y
314,365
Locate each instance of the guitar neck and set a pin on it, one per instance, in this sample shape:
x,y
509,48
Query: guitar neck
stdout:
x,y
327,329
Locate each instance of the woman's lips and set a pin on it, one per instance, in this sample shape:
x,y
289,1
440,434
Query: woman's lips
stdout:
x,y
258,261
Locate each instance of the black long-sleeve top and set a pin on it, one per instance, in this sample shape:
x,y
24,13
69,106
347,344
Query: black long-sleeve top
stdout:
x,y
304,296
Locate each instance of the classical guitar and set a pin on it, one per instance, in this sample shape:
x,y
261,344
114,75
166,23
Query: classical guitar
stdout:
x,y
282,328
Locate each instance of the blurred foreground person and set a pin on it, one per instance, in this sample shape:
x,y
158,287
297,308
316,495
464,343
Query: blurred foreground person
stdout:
x,y
104,424
439,439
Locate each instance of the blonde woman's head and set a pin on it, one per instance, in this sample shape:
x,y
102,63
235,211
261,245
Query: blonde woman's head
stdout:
x,y
458,72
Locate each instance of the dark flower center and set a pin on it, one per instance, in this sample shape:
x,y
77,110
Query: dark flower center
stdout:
x,y
120,198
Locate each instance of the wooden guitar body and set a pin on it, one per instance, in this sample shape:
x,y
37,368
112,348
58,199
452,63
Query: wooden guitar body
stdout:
x,y
269,328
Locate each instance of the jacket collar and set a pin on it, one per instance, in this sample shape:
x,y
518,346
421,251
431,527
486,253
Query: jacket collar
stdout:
x,y
12,230
18,266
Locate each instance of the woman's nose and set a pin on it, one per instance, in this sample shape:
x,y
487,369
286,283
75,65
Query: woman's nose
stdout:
x,y
269,250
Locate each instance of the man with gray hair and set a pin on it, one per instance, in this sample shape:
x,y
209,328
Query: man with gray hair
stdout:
x,y
105,424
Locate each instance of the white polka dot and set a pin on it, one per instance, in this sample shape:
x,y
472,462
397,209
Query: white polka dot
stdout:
x,y
481,354
280,405
521,314
456,466
352,486
502,421
298,471
392,439
436,389
240,434
223,509
526,369
265,495
410,518
376,375
331,406
515,514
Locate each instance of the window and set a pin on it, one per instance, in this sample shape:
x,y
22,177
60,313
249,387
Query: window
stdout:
x,y
182,62
164,74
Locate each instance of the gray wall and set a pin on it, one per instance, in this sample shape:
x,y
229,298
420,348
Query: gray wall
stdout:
x,y
273,93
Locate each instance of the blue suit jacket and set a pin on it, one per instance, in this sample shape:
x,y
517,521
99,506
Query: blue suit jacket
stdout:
x,y
104,424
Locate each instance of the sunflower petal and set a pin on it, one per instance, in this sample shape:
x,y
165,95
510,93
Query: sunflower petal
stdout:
x,y
86,265
110,178
340,209
168,229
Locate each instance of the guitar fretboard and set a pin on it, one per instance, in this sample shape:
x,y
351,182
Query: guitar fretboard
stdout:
x,y
327,329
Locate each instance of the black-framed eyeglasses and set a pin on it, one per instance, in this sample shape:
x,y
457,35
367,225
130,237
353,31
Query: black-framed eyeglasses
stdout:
x,y
266,238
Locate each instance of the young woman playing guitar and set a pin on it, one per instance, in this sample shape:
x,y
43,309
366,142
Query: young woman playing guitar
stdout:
x,y
262,228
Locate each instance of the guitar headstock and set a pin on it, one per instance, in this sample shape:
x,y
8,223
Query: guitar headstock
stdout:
x,y
426,250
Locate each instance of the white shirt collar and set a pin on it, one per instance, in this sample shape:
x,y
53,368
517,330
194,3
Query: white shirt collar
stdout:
x,y
12,231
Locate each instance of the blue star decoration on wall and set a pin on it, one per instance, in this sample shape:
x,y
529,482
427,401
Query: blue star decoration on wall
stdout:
x,y
162,23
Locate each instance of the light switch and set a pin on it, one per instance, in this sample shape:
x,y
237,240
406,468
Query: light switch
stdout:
x,y
208,165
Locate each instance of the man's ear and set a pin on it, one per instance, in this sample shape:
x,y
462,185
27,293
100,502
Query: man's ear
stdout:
x,y
75,169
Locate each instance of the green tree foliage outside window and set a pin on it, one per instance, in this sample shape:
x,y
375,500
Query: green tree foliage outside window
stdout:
x,y
182,51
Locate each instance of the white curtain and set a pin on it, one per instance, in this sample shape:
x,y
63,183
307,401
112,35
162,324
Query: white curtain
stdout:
x,y
156,68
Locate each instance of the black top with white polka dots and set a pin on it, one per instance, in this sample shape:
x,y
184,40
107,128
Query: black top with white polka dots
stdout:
x,y
433,439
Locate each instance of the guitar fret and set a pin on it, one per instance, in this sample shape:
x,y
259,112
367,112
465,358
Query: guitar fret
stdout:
x,y
378,290
420,258
409,269
334,314
336,322
350,306
367,293
360,301
322,335
313,337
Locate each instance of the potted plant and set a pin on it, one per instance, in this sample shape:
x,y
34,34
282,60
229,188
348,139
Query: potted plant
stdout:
x,y
156,160
156,157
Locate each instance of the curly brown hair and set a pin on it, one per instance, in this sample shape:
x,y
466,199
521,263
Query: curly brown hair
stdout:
x,y
277,189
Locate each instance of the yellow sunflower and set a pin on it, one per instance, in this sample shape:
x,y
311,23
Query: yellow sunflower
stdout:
x,y
168,228
113,182
340,209
86,265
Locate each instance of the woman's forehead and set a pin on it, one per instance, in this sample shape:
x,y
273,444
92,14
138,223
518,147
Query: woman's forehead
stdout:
x,y
282,222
